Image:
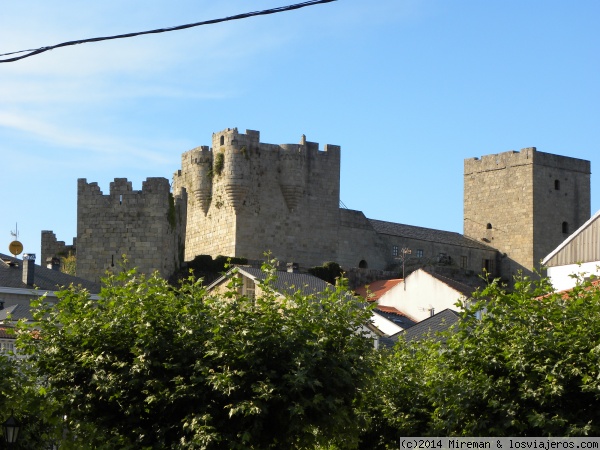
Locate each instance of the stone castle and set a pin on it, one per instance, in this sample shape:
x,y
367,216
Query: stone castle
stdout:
x,y
242,197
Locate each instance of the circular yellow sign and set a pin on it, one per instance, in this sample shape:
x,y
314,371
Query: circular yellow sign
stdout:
x,y
15,247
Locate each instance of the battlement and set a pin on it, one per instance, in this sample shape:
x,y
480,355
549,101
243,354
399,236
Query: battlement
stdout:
x,y
526,156
500,161
231,136
251,140
121,187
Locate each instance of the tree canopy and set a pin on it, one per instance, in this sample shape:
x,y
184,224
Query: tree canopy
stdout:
x,y
149,365
153,366
519,363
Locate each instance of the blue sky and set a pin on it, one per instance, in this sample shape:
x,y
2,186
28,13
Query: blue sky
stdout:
x,y
408,89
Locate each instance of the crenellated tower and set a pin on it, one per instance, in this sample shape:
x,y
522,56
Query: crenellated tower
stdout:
x,y
146,226
261,197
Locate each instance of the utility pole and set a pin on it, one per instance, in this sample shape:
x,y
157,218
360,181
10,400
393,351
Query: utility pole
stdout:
x,y
405,251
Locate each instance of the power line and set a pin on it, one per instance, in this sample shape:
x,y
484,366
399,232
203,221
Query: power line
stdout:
x,y
265,12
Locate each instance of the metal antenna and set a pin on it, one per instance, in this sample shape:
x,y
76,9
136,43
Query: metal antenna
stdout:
x,y
15,233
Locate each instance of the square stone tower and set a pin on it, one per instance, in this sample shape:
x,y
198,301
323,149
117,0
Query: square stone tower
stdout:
x,y
524,204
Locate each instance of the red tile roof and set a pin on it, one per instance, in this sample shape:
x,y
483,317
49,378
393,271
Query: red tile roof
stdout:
x,y
5,334
392,310
376,289
594,284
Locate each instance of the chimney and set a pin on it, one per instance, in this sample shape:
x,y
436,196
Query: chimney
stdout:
x,y
293,267
28,268
53,263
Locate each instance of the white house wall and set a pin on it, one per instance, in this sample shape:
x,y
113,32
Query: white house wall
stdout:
x,y
562,278
423,294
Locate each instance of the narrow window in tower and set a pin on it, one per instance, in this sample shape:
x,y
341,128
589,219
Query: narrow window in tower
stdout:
x,y
557,185
120,199
222,140
565,227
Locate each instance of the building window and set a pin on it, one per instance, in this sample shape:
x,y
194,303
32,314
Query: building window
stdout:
x,y
565,227
222,140
463,262
395,250
419,253
362,264
248,288
488,226
7,347
487,266
557,185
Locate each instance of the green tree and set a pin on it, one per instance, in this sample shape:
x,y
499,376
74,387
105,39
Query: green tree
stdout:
x,y
68,264
396,401
152,366
330,271
22,396
528,366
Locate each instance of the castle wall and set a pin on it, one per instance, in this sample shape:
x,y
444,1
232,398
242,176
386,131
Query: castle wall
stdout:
x,y
358,241
509,203
143,225
562,195
242,197
51,247
431,253
263,197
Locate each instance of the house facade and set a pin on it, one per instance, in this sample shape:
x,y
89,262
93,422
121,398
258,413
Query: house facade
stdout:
x,y
380,327
577,257
423,294
21,281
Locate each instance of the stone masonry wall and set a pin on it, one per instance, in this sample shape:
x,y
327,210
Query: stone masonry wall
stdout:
x,y
143,225
261,197
498,205
359,242
507,203
430,253
561,195
52,247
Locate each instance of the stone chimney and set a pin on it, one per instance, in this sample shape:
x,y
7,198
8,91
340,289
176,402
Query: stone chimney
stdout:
x,y
53,263
293,267
28,268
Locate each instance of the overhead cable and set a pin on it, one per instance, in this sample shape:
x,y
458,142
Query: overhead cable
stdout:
x,y
37,51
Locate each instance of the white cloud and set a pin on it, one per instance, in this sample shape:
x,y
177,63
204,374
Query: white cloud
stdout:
x,y
106,151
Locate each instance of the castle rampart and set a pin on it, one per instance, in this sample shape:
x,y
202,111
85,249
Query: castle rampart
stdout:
x,y
51,247
242,197
142,225
526,156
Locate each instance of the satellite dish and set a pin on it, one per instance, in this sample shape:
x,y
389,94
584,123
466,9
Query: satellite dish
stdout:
x,y
15,247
